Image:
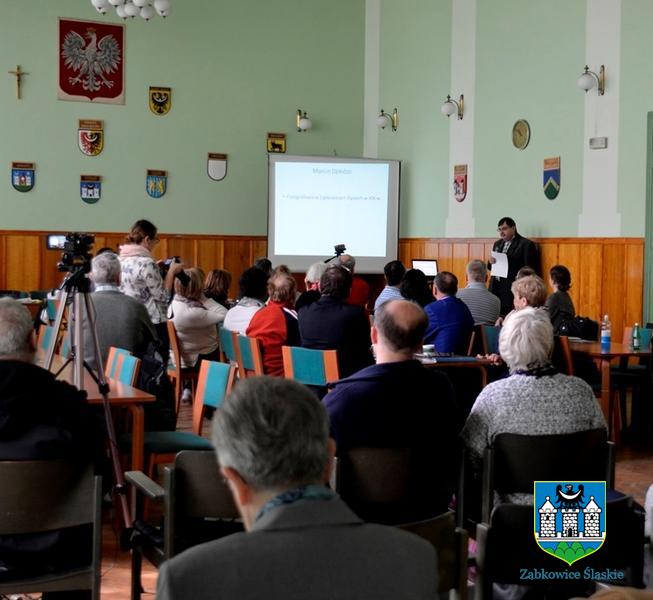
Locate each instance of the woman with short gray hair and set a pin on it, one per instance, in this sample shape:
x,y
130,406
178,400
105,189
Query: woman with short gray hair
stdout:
x,y
535,399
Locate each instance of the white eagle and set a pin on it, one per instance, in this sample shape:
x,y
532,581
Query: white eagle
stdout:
x,y
92,59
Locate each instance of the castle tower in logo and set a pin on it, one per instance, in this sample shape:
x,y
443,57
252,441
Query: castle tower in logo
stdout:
x,y
566,524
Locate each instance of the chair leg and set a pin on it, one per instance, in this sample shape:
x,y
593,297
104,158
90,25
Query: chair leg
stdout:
x,y
137,563
614,418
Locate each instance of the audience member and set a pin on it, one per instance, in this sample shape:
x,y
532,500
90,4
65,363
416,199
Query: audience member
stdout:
x,y
360,290
559,304
450,322
275,324
528,291
415,286
253,292
264,264
41,418
399,403
197,327
520,252
482,303
216,291
120,320
141,278
394,272
525,272
535,399
331,324
271,438
312,283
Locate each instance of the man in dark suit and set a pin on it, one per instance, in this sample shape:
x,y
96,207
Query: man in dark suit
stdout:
x,y
331,324
521,252
364,412
302,541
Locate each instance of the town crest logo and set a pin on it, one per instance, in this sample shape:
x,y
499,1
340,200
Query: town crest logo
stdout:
x,y
90,137
570,518
551,173
156,183
160,100
90,188
22,176
460,182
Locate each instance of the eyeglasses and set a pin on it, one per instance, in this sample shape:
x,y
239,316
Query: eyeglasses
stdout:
x,y
504,228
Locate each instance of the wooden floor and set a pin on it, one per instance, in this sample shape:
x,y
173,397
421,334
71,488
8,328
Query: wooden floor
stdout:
x,y
634,474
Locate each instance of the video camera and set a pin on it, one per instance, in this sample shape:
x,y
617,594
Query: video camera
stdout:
x,y
76,254
165,265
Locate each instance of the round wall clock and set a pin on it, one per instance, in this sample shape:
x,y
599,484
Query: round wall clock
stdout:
x,y
521,134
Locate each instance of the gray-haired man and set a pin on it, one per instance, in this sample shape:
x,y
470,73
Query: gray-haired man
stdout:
x,y
271,437
121,320
482,303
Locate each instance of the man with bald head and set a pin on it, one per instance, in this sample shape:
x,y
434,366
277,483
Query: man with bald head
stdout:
x,y
399,403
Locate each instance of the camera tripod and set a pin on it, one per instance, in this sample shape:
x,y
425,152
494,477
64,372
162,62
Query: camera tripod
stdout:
x,y
77,286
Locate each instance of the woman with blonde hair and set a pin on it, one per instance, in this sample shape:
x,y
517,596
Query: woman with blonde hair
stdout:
x,y
196,325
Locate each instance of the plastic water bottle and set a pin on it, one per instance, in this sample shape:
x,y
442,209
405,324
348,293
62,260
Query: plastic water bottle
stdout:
x,y
635,341
606,333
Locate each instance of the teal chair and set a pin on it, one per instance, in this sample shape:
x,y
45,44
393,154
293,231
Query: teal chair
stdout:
x,y
127,369
66,346
47,336
310,367
227,347
490,339
212,387
248,356
111,366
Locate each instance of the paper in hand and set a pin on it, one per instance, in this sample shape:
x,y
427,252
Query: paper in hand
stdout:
x,y
500,267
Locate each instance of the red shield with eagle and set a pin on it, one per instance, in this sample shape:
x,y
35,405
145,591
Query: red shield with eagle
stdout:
x,y
91,61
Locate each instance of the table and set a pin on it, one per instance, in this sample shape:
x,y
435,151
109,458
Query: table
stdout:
x,y
120,394
604,358
458,362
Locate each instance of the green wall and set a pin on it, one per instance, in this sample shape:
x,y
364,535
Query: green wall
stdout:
x,y
238,69
414,71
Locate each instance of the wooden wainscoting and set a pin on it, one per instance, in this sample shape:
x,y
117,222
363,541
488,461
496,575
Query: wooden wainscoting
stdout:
x,y
607,273
26,263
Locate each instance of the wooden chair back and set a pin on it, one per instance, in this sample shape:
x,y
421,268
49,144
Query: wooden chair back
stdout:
x,y
227,345
562,355
248,356
515,461
310,367
490,339
127,369
111,366
450,543
214,382
41,496
175,346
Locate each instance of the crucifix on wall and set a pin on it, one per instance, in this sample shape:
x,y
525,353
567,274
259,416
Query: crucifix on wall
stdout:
x,y
19,79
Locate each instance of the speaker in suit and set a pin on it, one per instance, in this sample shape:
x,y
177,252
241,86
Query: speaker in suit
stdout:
x,y
521,252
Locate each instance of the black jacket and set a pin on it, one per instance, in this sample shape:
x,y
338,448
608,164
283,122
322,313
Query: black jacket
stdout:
x,y
330,324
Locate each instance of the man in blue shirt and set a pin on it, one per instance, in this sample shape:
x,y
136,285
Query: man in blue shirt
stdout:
x,y
450,322
394,273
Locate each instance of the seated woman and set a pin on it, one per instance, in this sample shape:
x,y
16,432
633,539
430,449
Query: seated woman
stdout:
x,y
275,325
196,325
535,399
559,304
216,291
414,286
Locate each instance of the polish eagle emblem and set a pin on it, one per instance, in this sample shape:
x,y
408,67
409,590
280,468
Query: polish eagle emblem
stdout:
x,y
91,60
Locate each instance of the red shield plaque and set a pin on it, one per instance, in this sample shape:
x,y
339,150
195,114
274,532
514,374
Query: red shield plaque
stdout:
x,y
460,182
91,61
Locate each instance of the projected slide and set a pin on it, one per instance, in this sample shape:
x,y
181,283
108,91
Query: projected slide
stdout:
x,y
337,203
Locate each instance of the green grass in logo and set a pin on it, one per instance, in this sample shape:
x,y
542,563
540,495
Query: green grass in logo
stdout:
x,y
570,554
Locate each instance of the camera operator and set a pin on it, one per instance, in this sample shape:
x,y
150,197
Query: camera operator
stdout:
x,y
141,276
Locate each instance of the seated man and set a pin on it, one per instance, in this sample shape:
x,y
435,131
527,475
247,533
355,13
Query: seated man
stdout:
x,y
450,322
275,325
40,419
482,303
394,273
360,290
312,283
331,324
120,320
271,438
399,403
252,296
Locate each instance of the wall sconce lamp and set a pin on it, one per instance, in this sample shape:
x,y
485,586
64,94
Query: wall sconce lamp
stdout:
x,y
384,119
589,79
451,107
303,121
